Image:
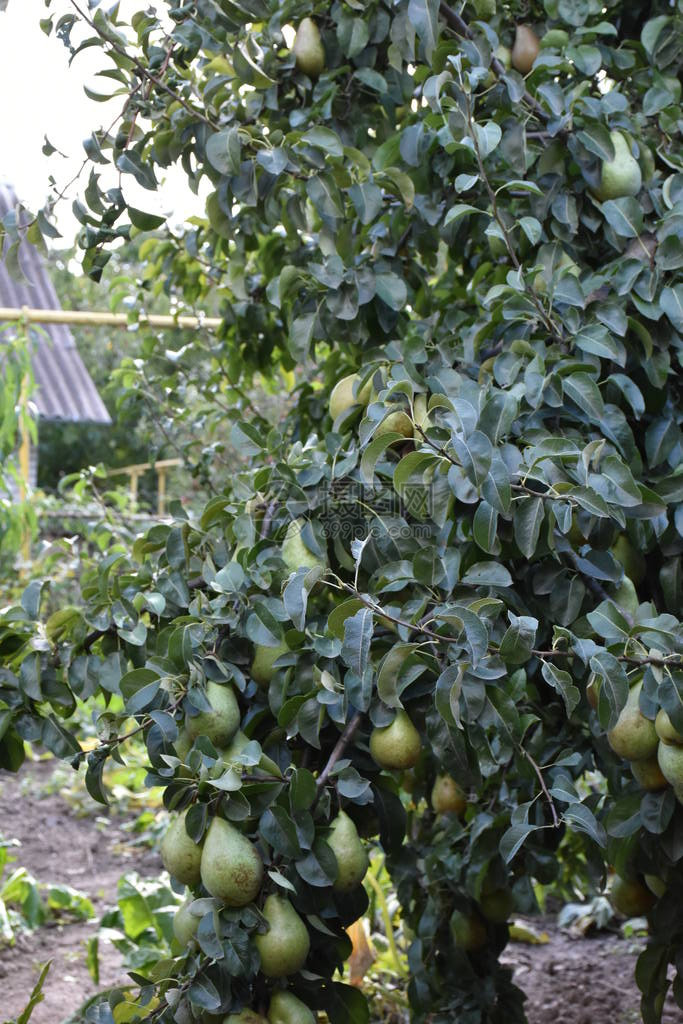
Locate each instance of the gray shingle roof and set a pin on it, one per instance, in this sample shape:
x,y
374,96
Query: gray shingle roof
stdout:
x,y
64,388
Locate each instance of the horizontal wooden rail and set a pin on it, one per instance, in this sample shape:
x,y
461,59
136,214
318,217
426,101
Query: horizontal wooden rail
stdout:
x,y
86,318
136,471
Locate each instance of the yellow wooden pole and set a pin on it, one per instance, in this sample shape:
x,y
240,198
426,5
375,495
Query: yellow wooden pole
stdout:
x,y
161,491
24,463
86,318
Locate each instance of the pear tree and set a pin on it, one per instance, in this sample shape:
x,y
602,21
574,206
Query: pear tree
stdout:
x,y
443,590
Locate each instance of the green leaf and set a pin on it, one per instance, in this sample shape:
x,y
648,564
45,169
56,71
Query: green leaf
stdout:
x,y
625,216
424,16
582,389
583,819
614,688
487,574
528,519
562,683
325,139
475,454
391,289
513,840
518,641
355,650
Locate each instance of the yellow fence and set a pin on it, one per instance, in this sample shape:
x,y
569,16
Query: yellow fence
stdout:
x,y
135,472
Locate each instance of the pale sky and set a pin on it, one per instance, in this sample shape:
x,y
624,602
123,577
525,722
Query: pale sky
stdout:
x,y
42,95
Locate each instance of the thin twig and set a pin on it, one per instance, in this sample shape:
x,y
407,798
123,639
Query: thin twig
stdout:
x,y
339,748
539,775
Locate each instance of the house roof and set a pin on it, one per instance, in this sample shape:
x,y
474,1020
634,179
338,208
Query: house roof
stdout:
x,y
64,388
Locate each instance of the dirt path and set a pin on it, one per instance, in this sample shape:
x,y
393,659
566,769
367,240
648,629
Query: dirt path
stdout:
x,y
567,981
58,846
581,981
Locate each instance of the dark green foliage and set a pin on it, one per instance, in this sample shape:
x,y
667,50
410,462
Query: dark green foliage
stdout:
x,y
473,570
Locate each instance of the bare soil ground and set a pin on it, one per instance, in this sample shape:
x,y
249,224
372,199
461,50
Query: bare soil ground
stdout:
x,y
86,853
581,981
567,981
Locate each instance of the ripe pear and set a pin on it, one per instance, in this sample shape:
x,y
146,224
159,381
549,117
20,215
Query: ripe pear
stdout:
x,y
308,50
632,561
524,49
634,736
285,1008
665,728
284,947
185,924
180,855
222,722
670,758
630,897
396,422
447,796
343,398
619,177
468,931
231,866
352,860
648,774
262,670
295,553
396,746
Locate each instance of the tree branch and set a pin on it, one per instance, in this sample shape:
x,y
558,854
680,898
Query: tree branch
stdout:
x,y
339,748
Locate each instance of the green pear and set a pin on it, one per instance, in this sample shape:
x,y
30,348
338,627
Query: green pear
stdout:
x,y
524,49
183,744
237,745
398,422
221,723
284,947
185,924
554,39
504,55
342,396
308,50
648,774
670,758
630,897
634,736
447,796
633,562
665,728
656,885
295,553
619,177
352,859
626,597
497,905
180,855
245,1017
484,8
262,670
231,866
468,931
396,746
285,1008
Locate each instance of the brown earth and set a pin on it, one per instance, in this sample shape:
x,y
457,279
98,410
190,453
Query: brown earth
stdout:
x,y
87,853
581,981
567,981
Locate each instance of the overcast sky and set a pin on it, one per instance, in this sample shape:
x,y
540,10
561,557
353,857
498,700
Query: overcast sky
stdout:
x,y
42,95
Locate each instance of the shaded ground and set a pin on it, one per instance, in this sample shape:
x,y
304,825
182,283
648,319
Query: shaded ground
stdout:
x,y
581,981
567,981
83,852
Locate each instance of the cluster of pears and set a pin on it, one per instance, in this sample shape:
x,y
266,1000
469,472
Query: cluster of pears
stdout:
x,y
284,1008
350,392
655,749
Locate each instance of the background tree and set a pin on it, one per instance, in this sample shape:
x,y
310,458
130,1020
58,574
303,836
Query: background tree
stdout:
x,y
469,566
